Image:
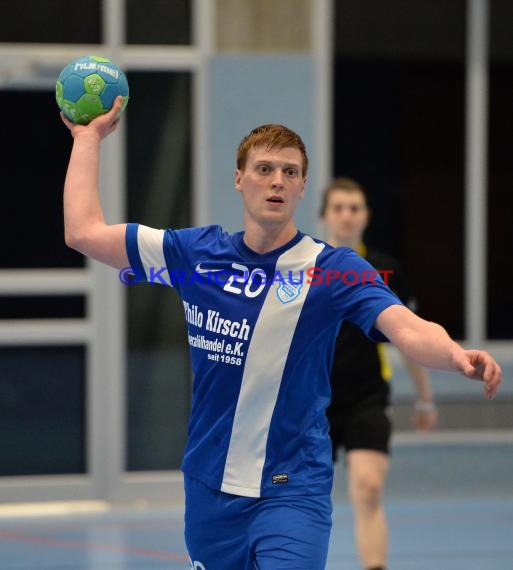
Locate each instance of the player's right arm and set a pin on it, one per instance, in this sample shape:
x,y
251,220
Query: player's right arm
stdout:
x,y
85,228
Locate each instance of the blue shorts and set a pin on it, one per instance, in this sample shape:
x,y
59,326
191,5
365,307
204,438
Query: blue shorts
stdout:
x,y
229,532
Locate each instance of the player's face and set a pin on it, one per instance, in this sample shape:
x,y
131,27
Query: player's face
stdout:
x,y
346,215
271,184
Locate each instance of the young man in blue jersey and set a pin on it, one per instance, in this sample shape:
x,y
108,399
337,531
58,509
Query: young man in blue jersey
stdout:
x,y
360,381
263,307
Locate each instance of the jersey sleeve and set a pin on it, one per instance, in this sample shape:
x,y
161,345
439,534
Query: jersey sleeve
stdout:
x,y
360,295
145,249
165,256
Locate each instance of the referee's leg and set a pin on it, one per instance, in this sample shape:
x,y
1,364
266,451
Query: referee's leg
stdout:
x,y
367,446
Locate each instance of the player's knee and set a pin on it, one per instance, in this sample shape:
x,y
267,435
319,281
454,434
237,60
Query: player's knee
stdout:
x,y
367,489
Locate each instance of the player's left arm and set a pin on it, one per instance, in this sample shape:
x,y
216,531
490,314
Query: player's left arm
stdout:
x,y
429,344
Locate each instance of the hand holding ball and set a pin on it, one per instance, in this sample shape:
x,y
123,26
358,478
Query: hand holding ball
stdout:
x,y
87,88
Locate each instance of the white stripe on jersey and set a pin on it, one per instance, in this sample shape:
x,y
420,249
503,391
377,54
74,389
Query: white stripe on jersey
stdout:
x,y
263,371
151,250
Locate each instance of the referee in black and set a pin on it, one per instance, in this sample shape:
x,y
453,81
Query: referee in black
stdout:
x,y
360,381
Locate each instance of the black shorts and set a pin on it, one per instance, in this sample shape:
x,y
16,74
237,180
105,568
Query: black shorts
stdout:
x,y
361,427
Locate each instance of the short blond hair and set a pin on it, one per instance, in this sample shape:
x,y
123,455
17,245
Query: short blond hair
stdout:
x,y
271,136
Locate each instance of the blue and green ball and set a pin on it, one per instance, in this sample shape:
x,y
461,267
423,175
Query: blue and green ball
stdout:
x,y
87,88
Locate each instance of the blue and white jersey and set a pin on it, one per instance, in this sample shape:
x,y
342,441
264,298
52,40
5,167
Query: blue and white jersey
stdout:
x,y
261,330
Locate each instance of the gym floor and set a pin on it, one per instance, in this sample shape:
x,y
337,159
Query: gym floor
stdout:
x,y
449,506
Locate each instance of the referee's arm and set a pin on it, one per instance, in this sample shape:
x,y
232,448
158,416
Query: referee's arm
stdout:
x,y
429,344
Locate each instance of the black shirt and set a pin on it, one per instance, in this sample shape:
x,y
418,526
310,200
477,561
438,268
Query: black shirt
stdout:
x,y
359,375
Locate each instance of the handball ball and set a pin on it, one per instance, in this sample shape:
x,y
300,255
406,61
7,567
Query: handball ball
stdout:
x,y
87,88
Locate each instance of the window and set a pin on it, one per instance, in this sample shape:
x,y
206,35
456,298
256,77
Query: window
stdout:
x,y
35,161
42,415
500,171
399,129
51,21
159,195
159,22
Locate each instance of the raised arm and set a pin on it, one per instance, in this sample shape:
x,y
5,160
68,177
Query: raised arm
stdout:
x,y
429,344
84,223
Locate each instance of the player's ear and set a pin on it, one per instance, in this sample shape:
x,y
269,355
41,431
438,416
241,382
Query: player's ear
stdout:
x,y
238,179
302,194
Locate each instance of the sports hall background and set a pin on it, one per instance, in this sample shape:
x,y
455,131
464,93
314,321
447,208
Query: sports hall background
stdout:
x,y
412,98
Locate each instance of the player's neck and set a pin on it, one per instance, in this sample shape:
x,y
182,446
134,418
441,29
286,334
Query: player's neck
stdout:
x,y
263,239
